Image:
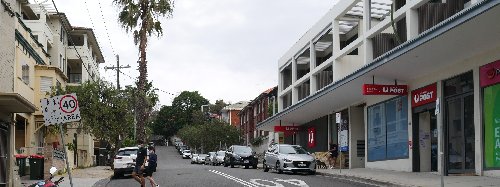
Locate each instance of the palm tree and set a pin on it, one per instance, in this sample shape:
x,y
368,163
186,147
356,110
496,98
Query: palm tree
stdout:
x,y
141,17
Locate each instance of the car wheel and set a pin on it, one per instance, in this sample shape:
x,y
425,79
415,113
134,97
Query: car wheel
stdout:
x,y
231,163
225,164
254,166
264,166
117,174
247,166
277,168
312,172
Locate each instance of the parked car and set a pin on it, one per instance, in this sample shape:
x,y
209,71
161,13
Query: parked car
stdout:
x,y
124,161
186,154
194,158
211,158
284,157
182,148
220,157
240,155
201,158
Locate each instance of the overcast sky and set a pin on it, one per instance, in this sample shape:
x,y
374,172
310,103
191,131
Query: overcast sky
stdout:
x,y
225,49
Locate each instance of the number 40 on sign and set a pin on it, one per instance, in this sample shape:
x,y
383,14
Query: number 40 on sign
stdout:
x,y
60,109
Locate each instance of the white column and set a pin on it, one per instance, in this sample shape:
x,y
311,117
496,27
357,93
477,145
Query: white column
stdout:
x,y
294,79
313,87
440,126
367,42
478,125
411,24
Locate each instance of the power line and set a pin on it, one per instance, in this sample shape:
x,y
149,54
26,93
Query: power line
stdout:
x,y
71,40
153,86
92,22
106,27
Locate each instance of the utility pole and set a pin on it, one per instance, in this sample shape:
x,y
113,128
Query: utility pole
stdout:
x,y
117,68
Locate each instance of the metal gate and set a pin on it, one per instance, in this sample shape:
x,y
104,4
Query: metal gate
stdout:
x,y
4,138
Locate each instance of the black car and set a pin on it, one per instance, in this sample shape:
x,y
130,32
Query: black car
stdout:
x,y
240,155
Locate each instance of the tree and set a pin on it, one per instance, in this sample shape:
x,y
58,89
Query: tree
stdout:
x,y
106,112
217,107
210,136
148,100
141,17
185,105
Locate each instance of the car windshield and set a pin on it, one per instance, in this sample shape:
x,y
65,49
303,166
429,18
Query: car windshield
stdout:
x,y
127,152
292,150
221,153
187,151
242,150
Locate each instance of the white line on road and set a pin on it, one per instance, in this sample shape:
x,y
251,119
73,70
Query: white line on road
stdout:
x,y
238,180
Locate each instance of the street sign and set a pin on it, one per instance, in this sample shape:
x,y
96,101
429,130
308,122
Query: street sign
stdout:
x,y
60,109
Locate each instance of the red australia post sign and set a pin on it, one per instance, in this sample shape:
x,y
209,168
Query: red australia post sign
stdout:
x,y
288,130
489,74
425,95
378,89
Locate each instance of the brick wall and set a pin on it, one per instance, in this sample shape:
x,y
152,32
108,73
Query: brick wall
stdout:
x,y
235,119
7,43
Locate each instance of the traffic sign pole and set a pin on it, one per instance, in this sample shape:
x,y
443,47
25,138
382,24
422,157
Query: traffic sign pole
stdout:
x,y
66,155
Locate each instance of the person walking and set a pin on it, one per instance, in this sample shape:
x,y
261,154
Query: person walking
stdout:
x,y
334,153
152,163
137,174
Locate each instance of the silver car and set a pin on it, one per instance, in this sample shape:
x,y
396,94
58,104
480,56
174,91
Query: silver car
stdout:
x,y
220,157
284,157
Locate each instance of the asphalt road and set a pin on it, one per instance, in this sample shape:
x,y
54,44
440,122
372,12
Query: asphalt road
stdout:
x,y
174,171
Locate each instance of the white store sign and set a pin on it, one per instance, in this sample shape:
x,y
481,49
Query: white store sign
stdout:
x,y
60,109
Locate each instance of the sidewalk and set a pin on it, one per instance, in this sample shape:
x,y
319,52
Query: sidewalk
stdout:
x,y
400,178
81,177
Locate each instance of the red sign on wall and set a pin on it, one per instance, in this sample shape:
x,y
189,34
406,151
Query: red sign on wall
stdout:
x,y
424,95
288,130
311,137
489,74
378,89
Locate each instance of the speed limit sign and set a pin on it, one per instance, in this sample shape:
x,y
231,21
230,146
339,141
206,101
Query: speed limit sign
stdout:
x,y
60,109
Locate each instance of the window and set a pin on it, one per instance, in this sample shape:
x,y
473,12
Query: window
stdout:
x,y
26,73
60,61
45,84
388,130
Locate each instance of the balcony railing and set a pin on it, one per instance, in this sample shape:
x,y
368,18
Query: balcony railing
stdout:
x,y
75,78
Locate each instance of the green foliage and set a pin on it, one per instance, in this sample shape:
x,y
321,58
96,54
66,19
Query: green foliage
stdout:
x,y
71,146
128,142
210,135
257,141
107,113
217,107
171,119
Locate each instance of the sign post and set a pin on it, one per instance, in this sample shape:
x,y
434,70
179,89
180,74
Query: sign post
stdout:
x,y
58,110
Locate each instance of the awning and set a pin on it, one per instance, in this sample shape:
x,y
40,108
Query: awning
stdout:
x,y
15,103
460,37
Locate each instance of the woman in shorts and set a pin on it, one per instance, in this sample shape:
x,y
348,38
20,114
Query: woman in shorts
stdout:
x,y
152,163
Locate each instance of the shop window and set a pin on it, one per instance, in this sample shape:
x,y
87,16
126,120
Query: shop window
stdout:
x,y
388,130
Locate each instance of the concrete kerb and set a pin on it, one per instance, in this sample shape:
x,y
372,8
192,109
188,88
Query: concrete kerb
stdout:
x,y
357,180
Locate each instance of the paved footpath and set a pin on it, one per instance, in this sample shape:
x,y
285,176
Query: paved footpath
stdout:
x,y
82,177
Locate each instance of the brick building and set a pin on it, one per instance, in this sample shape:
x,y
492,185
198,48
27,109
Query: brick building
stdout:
x,y
257,111
229,113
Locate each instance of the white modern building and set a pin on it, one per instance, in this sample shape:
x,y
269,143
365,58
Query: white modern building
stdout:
x,y
395,93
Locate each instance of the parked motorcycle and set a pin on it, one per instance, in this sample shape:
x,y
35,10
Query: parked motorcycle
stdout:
x,y
48,182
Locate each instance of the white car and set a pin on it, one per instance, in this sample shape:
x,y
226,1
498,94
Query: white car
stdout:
x,y
220,157
124,161
186,154
194,158
200,159
284,157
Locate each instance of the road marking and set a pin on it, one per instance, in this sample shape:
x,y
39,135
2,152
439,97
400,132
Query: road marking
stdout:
x,y
260,184
295,182
238,180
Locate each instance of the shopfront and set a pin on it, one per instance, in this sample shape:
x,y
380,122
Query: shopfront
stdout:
x,y
313,135
4,138
490,84
424,129
459,124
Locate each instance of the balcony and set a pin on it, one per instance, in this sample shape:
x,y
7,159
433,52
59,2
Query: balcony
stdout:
x,y
42,30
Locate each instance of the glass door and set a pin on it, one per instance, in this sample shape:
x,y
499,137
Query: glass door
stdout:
x,y
460,133
4,137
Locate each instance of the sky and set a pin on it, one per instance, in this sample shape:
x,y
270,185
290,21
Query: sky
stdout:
x,y
224,49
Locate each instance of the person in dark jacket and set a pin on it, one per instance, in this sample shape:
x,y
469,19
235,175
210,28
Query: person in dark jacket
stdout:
x,y
334,153
152,163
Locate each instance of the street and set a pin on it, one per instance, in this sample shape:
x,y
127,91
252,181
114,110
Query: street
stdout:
x,y
175,171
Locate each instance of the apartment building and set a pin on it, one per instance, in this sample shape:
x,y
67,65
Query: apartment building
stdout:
x,y
255,111
229,113
34,63
416,93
